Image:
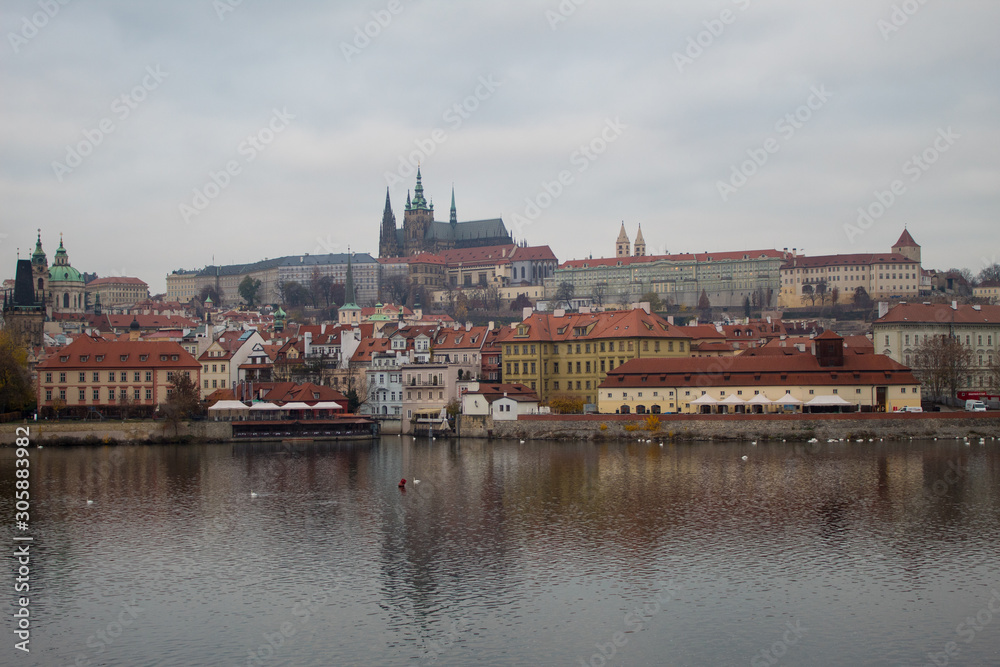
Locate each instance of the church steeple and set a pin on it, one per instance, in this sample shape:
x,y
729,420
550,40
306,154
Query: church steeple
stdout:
x,y
640,244
388,241
419,203
38,257
623,248
454,213
349,297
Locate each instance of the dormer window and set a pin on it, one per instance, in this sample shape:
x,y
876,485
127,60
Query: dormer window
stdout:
x,y
84,358
143,357
64,359
100,358
123,357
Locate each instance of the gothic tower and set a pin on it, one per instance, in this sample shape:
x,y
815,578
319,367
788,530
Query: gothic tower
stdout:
x,y
640,244
623,245
417,220
40,268
907,247
388,242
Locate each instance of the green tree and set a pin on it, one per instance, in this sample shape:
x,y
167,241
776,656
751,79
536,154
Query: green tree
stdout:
x,y
656,304
746,307
249,289
16,393
353,401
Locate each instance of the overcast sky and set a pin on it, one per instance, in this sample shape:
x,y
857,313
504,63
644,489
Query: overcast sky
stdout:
x,y
115,113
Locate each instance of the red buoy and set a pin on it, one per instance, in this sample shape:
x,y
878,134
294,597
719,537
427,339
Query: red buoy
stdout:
x,y
402,483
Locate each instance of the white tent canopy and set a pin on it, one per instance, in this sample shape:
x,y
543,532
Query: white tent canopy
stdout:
x,y
733,399
704,399
760,399
788,399
825,401
264,406
326,405
296,406
229,405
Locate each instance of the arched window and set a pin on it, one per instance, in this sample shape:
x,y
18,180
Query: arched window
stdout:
x,y
65,300
655,409
40,284
624,410
640,409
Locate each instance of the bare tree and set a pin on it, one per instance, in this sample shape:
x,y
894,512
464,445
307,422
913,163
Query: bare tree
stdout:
x,y
942,363
990,274
810,293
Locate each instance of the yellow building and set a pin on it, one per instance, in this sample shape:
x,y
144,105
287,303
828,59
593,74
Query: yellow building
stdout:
x,y
567,355
830,378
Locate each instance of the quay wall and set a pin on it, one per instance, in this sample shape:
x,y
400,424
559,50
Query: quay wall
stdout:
x,y
120,431
738,427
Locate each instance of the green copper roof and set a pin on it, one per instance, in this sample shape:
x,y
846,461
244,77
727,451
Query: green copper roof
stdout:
x,y
65,274
38,257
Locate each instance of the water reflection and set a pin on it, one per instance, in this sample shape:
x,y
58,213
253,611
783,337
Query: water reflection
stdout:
x,y
508,553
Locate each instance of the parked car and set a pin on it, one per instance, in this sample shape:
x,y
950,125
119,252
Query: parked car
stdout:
x,y
975,406
913,408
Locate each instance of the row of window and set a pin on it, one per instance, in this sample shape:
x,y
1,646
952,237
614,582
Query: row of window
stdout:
x,y
221,369
113,376
113,395
585,348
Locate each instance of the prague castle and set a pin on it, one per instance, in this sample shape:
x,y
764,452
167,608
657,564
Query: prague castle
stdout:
x,y
421,233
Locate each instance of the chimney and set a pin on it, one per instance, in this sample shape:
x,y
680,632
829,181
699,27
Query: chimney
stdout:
x,y
468,326
954,305
977,307
526,312
491,326
559,312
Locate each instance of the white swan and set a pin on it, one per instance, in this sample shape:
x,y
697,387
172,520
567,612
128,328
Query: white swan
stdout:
x,y
253,494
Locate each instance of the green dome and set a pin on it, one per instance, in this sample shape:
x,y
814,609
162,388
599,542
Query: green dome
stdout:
x,y
65,274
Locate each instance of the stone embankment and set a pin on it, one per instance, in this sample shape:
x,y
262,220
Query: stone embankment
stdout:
x,y
96,432
737,427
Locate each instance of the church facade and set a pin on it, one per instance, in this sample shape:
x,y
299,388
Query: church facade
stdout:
x,y
420,233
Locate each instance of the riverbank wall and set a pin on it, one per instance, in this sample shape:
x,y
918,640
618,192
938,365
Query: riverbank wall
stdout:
x,y
117,431
737,427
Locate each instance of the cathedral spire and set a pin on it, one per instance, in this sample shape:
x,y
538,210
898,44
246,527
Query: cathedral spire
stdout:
x,y
419,203
454,213
349,297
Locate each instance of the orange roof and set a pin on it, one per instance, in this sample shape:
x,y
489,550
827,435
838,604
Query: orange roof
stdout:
x,y
905,240
546,327
497,254
940,313
369,347
450,339
90,353
533,254
122,280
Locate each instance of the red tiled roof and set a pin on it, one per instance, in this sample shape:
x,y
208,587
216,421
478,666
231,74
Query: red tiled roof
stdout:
x,y
905,240
858,259
123,280
940,313
84,352
498,254
546,327
759,367
450,339
533,254
369,347
684,257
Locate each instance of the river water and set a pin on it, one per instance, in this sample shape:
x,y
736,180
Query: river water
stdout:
x,y
508,553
